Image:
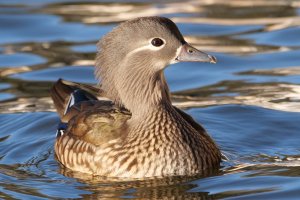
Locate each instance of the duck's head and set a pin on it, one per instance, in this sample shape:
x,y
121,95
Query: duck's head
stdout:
x,y
132,56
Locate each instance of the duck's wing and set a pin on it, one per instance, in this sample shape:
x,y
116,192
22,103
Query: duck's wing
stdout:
x,y
62,92
84,117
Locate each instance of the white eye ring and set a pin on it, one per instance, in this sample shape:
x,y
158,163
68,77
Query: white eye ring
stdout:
x,y
157,40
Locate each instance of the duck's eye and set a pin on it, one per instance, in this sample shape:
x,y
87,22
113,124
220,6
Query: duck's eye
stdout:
x,y
157,42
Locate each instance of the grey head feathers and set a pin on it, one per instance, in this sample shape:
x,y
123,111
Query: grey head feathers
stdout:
x,y
128,66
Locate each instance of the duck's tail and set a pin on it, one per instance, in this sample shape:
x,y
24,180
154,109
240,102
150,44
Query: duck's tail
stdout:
x,y
65,94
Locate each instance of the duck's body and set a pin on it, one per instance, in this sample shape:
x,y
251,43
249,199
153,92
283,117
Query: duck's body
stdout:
x,y
149,138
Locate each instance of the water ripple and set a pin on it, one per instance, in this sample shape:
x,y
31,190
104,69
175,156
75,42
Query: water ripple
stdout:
x,y
249,101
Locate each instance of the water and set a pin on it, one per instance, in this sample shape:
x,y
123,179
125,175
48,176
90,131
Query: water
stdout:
x,y
249,101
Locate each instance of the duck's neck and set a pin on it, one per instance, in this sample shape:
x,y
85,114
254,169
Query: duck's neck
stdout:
x,y
144,92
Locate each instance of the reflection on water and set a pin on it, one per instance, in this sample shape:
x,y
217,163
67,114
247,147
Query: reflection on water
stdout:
x,y
249,101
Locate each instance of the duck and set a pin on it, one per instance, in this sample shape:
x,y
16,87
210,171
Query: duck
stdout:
x,y
126,126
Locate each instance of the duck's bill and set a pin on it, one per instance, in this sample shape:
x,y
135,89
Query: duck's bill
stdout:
x,y
190,54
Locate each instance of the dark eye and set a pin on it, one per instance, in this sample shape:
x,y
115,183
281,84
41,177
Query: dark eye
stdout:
x,y
157,42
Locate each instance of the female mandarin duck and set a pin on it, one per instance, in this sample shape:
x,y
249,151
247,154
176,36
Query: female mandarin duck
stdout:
x,y
139,133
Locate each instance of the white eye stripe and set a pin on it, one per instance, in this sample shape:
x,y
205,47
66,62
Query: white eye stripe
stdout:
x,y
147,47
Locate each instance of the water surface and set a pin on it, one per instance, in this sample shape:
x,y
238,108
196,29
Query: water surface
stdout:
x,y
249,101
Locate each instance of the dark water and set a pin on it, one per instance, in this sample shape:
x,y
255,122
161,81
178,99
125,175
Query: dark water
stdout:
x,y
249,101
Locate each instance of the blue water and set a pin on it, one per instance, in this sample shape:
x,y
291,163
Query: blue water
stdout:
x,y
249,101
